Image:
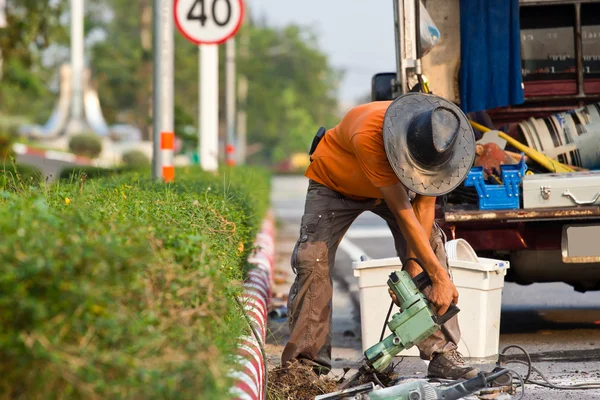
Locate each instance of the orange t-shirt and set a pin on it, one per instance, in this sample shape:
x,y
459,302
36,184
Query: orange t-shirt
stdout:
x,y
351,158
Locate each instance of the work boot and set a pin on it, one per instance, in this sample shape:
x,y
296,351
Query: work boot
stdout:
x,y
450,365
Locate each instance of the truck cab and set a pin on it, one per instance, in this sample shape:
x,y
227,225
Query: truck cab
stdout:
x,y
560,64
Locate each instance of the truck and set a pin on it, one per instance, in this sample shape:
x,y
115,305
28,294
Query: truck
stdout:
x,y
560,64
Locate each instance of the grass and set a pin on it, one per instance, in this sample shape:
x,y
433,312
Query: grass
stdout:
x,y
13,176
123,288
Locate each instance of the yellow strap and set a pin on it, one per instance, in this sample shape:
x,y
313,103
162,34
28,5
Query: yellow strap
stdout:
x,y
545,161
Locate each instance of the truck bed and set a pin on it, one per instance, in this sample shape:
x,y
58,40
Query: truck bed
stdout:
x,y
470,213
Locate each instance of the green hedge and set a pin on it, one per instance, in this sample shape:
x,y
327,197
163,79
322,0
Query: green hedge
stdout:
x,y
93,172
121,288
86,144
136,159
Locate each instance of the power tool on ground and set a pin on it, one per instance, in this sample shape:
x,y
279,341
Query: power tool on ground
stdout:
x,y
417,390
416,321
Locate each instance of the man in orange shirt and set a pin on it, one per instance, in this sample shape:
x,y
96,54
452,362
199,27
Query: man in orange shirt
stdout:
x,y
379,155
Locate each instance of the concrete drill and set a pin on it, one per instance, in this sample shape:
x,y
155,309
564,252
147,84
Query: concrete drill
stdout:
x,y
416,321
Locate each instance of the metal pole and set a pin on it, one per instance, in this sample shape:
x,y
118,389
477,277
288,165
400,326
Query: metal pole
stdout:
x,y
209,107
402,76
242,121
77,59
242,97
398,45
3,23
579,50
163,80
231,101
418,68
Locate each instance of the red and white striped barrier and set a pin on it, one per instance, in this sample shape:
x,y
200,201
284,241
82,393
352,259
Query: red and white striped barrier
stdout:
x,y
167,154
23,149
249,378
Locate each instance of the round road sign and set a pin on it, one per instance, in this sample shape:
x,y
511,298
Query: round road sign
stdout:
x,y
208,21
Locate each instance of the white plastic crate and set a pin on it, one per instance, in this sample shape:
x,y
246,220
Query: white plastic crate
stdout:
x,y
479,283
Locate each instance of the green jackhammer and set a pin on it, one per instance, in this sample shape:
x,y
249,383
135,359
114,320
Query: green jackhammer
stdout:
x,y
417,321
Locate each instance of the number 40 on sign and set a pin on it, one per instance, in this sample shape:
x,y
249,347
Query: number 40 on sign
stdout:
x,y
208,21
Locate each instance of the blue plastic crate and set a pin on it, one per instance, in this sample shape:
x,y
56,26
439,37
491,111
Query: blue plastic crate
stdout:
x,y
505,196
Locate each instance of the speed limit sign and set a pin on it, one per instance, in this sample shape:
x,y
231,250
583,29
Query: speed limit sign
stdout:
x,y
208,21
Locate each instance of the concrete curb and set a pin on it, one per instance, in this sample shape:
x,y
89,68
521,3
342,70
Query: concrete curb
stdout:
x,y
249,380
23,149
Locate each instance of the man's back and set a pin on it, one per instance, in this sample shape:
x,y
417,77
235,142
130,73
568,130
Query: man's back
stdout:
x,y
351,157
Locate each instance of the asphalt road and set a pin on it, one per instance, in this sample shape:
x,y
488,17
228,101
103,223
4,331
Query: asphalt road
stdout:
x,y
559,327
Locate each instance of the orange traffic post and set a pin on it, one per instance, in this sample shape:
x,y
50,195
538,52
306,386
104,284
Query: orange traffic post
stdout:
x,y
167,152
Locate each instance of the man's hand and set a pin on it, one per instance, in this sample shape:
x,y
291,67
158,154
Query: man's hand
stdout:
x,y
442,294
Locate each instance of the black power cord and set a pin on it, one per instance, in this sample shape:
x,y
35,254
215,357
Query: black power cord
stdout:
x,y
502,359
387,318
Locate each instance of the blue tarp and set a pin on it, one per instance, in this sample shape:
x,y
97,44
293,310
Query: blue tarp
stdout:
x,y
490,70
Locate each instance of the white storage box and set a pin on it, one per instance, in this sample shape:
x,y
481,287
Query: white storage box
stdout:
x,y
560,190
375,300
479,285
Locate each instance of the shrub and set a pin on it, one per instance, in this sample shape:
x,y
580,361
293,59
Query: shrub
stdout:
x,y
86,144
6,150
124,288
71,173
136,159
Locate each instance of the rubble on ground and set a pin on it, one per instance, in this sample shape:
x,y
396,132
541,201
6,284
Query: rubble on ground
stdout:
x,y
298,382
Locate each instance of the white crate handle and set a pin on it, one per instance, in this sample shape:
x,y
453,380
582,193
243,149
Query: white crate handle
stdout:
x,y
568,193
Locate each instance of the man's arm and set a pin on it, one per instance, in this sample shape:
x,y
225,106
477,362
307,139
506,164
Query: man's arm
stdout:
x,y
443,291
424,208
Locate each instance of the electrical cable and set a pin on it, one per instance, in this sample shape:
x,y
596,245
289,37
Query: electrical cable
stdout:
x,y
387,318
260,345
520,379
546,382
516,346
376,379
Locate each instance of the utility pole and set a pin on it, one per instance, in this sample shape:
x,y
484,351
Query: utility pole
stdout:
x,y
242,97
230,149
209,107
3,24
163,87
77,60
208,28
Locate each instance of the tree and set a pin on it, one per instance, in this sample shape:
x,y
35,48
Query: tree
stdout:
x,y
292,90
33,26
122,64
292,87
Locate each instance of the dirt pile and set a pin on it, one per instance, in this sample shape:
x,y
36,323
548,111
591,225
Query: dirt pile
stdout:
x,y
297,382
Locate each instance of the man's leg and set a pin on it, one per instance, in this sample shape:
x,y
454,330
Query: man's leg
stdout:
x,y
327,217
444,341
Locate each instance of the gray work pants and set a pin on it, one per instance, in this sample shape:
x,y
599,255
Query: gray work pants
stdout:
x,y
327,217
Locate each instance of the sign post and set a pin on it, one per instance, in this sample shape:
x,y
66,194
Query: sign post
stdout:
x,y
208,23
3,22
163,92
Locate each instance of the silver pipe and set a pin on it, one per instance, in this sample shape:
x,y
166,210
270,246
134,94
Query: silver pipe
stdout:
x,y
231,100
163,81
77,56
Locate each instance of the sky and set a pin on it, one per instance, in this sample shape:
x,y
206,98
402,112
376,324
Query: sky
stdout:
x,y
357,35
